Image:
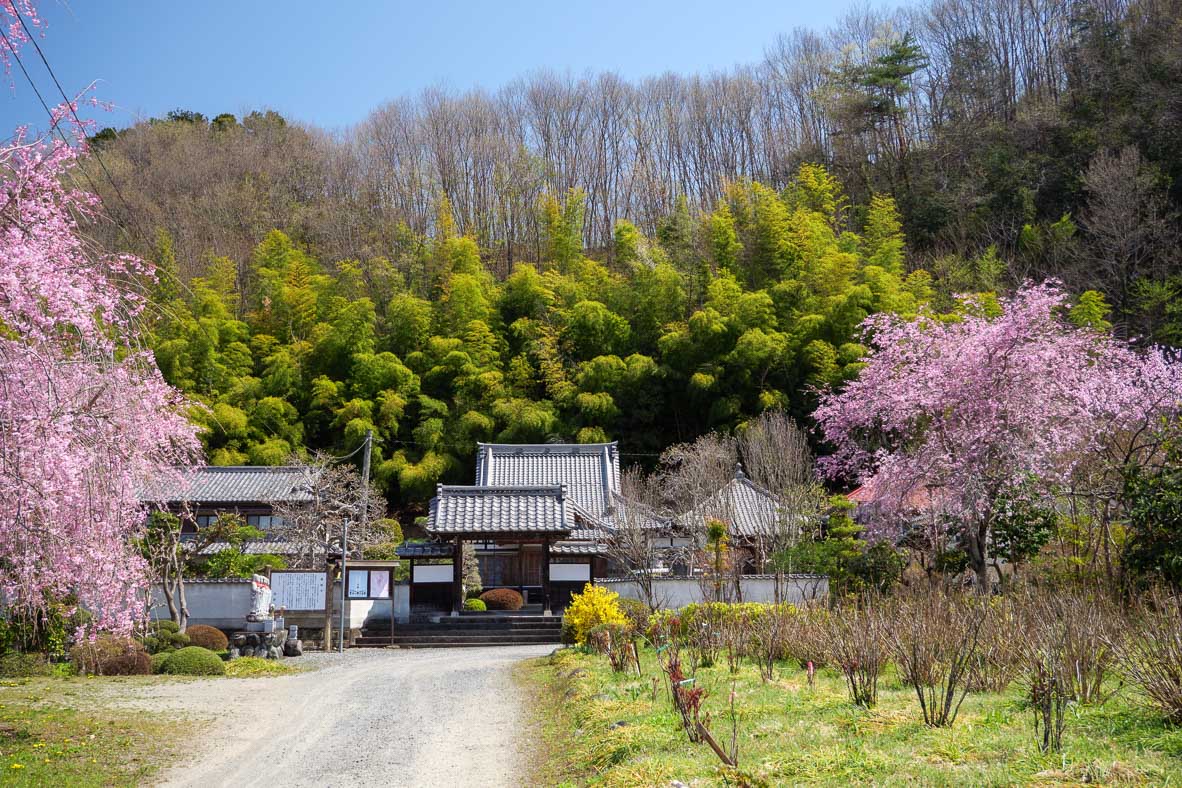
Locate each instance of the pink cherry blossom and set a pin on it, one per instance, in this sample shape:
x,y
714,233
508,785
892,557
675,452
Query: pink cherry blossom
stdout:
x,y
85,416
969,409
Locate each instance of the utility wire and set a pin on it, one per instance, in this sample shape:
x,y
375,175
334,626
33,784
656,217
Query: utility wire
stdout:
x,y
70,106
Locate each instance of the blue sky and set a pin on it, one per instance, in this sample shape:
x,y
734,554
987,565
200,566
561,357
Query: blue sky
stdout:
x,y
330,63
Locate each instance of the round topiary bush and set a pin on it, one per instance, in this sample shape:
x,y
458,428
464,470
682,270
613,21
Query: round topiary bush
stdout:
x,y
474,606
502,599
166,625
158,660
208,637
132,663
193,661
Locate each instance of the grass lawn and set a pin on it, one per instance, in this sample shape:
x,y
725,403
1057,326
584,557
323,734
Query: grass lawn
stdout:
x,y
55,732
791,734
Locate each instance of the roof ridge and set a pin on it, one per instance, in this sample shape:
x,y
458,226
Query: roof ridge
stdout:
x,y
588,447
501,488
241,468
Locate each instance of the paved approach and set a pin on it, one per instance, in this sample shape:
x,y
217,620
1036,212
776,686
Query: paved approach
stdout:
x,y
430,717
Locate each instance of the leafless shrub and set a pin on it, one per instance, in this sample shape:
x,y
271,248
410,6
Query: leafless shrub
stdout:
x,y
1073,636
856,646
935,639
1049,692
736,632
770,636
807,635
1001,647
687,698
1151,654
1080,627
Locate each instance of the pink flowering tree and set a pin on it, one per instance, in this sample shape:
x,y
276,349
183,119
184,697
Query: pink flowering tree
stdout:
x,y
955,416
85,416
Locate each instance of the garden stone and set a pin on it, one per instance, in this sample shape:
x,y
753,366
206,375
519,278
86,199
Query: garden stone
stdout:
x,y
234,652
273,652
293,648
619,724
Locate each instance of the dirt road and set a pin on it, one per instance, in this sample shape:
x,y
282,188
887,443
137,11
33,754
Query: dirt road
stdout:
x,y
430,717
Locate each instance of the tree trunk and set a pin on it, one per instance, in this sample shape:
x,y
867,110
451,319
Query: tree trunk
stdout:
x,y
976,546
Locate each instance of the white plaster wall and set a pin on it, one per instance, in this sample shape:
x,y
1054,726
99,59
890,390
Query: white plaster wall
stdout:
x,y
675,592
225,603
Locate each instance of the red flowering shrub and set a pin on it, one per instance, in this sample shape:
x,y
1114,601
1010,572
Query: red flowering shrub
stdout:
x,y
208,637
502,599
108,655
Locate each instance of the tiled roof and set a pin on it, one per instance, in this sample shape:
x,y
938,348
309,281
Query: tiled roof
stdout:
x,y
590,471
425,550
576,548
500,510
254,547
747,508
231,484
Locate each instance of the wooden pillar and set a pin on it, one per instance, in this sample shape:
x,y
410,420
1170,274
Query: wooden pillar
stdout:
x,y
329,566
546,576
457,577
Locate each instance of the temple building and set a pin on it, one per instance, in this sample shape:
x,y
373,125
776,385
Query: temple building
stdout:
x,y
537,517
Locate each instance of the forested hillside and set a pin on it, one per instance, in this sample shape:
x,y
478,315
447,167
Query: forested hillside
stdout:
x,y
583,257
434,353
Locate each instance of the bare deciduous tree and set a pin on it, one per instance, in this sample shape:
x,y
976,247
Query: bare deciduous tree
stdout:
x,y
335,493
778,458
639,524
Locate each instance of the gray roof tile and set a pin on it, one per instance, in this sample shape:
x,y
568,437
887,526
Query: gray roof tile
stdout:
x,y
749,510
590,471
253,547
231,484
500,510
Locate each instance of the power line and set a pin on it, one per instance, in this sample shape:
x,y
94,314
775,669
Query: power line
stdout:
x,y
54,121
70,106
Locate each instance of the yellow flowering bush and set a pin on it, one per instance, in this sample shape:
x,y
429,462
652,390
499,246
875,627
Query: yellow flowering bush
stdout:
x,y
593,607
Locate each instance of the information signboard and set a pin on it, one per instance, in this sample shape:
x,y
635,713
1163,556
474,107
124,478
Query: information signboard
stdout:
x,y
298,590
358,583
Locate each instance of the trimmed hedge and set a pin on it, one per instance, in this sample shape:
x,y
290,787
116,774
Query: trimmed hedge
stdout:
x,y
208,637
193,661
17,665
502,599
475,606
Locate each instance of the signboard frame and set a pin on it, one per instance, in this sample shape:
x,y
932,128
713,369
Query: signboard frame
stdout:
x,y
385,578
313,589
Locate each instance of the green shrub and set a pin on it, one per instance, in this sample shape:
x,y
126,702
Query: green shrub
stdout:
x,y
165,641
502,599
568,631
208,637
193,661
18,665
158,660
636,612
108,655
165,625
475,606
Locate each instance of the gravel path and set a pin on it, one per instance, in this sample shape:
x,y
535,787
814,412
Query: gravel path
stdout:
x,y
429,717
